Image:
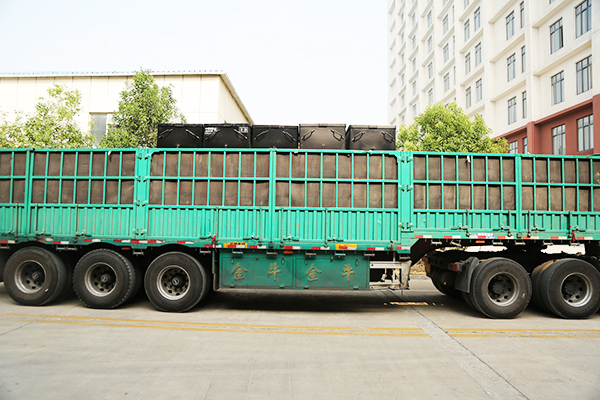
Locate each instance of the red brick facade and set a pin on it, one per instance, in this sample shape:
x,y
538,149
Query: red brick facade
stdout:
x,y
539,133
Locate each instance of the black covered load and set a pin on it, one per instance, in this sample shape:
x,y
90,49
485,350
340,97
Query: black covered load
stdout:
x,y
227,135
277,136
371,137
323,136
179,135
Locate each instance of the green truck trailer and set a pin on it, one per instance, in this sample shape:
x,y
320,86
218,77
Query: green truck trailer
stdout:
x,y
182,222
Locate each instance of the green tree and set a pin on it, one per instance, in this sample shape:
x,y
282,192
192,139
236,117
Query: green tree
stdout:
x,y
449,129
142,107
51,125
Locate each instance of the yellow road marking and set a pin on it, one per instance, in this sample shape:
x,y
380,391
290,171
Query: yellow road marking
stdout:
x,y
297,329
216,327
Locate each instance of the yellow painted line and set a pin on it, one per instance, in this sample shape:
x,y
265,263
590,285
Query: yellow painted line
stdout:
x,y
213,327
127,322
298,329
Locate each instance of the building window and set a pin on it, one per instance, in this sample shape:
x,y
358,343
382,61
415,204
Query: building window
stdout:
x,y
558,88
511,64
414,42
522,11
479,88
467,63
446,53
478,54
583,17
445,23
446,82
431,96
513,147
525,145
100,124
403,102
413,19
414,65
584,74
523,60
468,97
430,70
585,133
467,30
512,110
524,102
429,44
414,87
466,4
556,36
558,140
414,110
510,25
429,19
476,19
402,58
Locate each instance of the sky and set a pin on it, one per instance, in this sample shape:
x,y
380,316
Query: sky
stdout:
x,y
290,62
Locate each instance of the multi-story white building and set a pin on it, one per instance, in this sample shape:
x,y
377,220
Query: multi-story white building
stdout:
x,y
524,65
202,97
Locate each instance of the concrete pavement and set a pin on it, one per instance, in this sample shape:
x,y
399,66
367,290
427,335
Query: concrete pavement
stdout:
x,y
416,344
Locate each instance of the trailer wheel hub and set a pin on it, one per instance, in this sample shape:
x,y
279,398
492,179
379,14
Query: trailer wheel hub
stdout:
x,y
569,289
498,288
177,281
106,278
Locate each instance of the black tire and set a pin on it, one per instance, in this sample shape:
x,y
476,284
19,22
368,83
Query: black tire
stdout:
x,y
570,288
467,298
104,279
536,277
34,276
500,288
444,282
176,282
434,275
4,255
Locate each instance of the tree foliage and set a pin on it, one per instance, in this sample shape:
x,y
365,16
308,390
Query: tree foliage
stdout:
x,y
51,125
449,129
142,107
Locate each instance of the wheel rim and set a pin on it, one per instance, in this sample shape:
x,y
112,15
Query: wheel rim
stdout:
x,y
173,282
576,289
100,279
503,289
30,277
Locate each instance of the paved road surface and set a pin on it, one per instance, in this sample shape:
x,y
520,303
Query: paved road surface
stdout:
x,y
416,344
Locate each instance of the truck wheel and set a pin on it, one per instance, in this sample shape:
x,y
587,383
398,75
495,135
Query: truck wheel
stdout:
x,y
536,277
570,288
176,282
500,288
103,278
3,257
444,282
34,276
467,298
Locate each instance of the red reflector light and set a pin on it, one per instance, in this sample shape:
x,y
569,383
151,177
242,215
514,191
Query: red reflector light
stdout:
x,y
454,267
480,241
